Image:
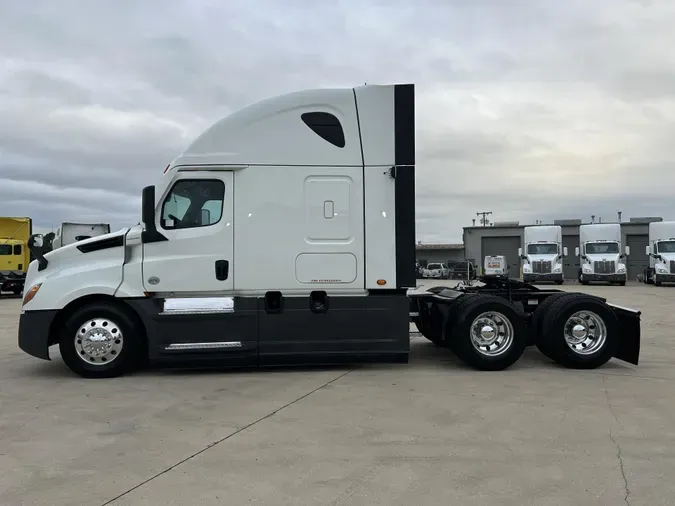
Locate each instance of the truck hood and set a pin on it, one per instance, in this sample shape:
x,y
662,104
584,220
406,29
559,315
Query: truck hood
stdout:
x,y
86,247
607,256
539,258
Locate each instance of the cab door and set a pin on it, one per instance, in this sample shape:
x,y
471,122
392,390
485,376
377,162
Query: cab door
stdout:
x,y
195,214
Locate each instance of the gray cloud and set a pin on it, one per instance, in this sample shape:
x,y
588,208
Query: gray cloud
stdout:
x,y
532,110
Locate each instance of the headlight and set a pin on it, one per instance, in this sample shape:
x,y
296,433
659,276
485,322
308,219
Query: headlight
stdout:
x,y
527,268
557,270
31,293
661,269
587,268
621,270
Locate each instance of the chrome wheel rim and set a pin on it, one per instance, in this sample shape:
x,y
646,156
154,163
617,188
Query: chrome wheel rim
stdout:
x,y
99,341
491,333
585,332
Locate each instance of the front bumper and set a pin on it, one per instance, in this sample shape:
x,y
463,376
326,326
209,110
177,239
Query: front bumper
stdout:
x,y
530,277
607,278
664,278
34,327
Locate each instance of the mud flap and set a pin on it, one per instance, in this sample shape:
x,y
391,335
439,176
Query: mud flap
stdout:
x,y
629,323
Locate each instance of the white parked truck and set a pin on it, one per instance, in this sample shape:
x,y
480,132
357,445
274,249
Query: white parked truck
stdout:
x,y
69,232
436,270
305,255
661,252
544,253
495,265
601,254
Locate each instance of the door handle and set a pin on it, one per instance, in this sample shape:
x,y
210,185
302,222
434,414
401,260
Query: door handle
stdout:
x,y
222,269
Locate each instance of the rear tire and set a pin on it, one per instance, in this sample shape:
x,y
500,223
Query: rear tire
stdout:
x,y
102,340
433,331
535,323
486,332
579,331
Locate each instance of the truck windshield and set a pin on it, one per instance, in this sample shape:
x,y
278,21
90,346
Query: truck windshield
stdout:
x,y
5,249
542,249
666,246
433,266
600,248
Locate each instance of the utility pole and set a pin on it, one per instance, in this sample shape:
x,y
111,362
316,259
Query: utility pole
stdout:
x,y
484,221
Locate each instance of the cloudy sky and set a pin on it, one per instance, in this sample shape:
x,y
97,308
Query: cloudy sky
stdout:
x,y
531,110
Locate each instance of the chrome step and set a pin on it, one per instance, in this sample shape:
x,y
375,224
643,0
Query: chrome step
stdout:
x,y
204,346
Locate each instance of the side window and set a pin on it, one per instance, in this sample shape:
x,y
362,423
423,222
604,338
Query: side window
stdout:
x,y
17,249
193,203
326,126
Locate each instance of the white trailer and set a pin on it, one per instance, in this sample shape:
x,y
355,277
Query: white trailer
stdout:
x,y
544,253
70,232
661,252
600,253
311,262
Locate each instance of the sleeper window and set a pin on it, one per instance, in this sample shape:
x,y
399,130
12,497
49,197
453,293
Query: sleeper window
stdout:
x,y
193,203
5,249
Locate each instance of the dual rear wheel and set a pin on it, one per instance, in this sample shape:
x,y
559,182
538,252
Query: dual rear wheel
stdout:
x,y
489,332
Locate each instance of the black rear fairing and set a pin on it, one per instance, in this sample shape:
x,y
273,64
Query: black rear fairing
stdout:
x,y
629,325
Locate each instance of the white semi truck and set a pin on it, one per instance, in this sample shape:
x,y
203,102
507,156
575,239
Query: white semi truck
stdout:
x,y
544,253
661,252
325,180
601,254
70,232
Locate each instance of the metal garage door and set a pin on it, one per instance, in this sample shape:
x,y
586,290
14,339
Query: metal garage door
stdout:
x,y
507,246
571,261
637,260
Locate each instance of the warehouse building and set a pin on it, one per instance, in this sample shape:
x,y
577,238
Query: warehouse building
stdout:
x,y
506,237
447,253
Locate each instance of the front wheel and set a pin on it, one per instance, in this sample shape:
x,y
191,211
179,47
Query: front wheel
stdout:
x,y
101,340
487,332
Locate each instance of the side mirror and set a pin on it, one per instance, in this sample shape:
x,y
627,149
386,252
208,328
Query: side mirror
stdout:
x,y
647,252
627,250
35,243
576,251
206,217
150,234
565,251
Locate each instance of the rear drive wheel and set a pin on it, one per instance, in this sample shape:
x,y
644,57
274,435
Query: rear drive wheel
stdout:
x,y
101,341
535,323
432,330
579,331
487,332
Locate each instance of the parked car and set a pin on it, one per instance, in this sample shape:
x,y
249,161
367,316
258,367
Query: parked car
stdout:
x,y
436,270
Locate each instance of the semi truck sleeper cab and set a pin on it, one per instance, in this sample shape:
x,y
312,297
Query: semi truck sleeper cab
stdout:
x,y
285,234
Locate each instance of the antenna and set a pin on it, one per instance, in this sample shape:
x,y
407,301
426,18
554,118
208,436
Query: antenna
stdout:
x,y
592,218
619,214
473,222
484,221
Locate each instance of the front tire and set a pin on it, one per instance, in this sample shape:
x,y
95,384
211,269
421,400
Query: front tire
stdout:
x,y
102,340
579,331
487,332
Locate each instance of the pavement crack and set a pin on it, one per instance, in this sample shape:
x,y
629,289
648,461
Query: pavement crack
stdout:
x,y
619,454
222,440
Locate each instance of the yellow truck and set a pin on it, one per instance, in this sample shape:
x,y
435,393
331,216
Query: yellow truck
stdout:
x,y
14,253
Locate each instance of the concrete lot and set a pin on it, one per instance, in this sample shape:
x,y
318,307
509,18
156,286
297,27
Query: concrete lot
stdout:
x,y
430,432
